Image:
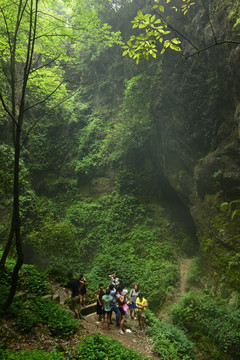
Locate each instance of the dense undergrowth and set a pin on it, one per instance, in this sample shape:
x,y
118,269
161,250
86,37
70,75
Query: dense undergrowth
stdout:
x,y
29,308
211,321
169,342
203,321
114,232
95,347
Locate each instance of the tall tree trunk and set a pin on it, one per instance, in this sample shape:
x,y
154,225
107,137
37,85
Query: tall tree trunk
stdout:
x,y
8,244
16,221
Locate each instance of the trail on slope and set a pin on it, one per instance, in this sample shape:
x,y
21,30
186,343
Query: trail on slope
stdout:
x,y
184,265
136,340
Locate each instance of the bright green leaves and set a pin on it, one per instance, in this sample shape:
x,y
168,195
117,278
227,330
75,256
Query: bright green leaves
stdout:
x,y
186,6
146,44
156,31
234,14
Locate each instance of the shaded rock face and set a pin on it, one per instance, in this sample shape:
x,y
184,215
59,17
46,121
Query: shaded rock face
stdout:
x,y
197,111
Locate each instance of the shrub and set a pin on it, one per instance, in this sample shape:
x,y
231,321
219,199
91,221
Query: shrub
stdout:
x,y
57,319
30,355
31,311
201,315
27,320
194,274
33,280
99,347
169,341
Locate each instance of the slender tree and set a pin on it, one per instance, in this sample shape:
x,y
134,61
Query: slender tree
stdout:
x,y
33,49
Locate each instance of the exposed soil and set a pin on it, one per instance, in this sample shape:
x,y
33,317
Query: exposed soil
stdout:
x,y
41,338
137,340
184,265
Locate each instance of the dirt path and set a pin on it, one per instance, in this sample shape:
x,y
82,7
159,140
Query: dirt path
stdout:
x,y
135,340
179,291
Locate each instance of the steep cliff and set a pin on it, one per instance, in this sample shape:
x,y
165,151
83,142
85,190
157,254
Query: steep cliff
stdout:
x,y
197,112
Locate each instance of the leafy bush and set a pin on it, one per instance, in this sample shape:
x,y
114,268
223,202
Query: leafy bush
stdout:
x,y
98,347
117,232
169,341
32,311
194,274
33,280
112,232
57,319
30,355
5,278
202,315
27,320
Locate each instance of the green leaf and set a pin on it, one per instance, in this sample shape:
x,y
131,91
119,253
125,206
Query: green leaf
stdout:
x,y
153,18
234,213
175,47
176,41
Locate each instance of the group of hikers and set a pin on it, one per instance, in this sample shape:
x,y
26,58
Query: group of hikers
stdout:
x,y
113,299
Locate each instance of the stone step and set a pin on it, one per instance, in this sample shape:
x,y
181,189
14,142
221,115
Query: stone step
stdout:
x,y
89,309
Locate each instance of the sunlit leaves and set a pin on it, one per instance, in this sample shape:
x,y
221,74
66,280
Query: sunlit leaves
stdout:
x,y
186,6
156,31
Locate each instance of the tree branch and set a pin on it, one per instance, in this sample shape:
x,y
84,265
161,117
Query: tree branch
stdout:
x,y
209,20
6,25
173,29
6,108
212,45
46,113
44,65
46,98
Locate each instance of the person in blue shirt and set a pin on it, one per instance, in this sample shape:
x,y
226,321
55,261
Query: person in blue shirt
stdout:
x,y
113,293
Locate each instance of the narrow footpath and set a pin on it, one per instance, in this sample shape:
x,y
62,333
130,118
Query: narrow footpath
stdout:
x,y
184,265
135,339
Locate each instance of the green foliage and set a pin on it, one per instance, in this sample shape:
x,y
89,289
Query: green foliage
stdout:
x,y
87,161
113,232
57,319
6,175
31,311
220,246
118,233
201,315
232,206
195,273
99,347
169,342
30,355
157,32
133,128
27,320
33,280
52,231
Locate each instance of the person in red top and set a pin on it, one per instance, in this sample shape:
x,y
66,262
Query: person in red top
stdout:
x,y
100,294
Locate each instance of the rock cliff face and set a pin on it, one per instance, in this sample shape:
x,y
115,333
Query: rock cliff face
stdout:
x,y
198,122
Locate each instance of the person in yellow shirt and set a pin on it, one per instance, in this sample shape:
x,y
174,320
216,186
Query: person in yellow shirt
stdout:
x,y
141,304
